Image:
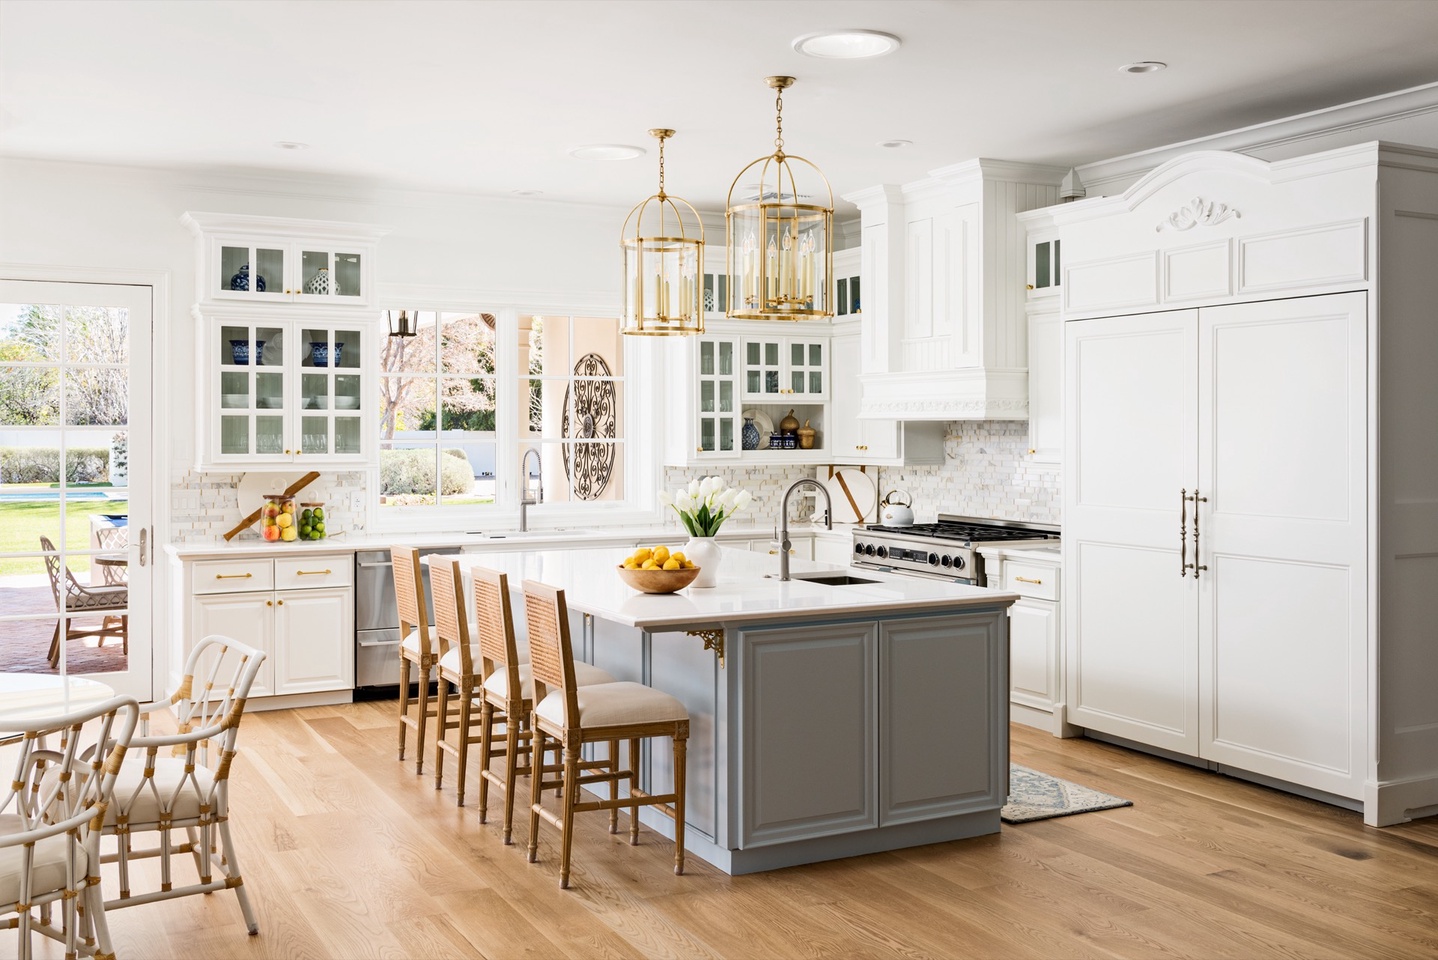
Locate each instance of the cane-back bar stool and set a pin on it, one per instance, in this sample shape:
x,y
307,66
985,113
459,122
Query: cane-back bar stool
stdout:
x,y
456,657
177,786
63,781
606,712
507,691
416,648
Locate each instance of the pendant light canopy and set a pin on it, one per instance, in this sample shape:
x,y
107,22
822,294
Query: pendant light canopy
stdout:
x,y
779,222
663,259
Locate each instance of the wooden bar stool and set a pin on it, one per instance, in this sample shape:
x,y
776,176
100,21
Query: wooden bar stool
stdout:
x,y
415,647
507,691
455,661
607,712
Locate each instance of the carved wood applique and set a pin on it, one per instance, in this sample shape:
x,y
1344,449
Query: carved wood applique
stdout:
x,y
1198,211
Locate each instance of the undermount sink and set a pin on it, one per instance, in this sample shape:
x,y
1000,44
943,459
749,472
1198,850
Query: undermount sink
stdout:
x,y
831,579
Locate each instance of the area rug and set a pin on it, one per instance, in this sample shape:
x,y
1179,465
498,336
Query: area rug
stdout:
x,y
1038,796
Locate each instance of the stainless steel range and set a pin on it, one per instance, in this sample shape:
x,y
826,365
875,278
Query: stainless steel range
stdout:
x,y
947,550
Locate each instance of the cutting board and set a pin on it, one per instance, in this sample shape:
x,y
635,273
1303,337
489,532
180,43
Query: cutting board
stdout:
x,y
853,494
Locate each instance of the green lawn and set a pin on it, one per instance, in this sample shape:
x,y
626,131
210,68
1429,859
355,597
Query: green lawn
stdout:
x,y
23,523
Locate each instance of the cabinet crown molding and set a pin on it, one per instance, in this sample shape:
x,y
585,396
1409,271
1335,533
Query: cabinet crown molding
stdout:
x,y
280,227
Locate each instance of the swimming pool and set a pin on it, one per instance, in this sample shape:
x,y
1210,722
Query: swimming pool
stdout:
x,y
48,495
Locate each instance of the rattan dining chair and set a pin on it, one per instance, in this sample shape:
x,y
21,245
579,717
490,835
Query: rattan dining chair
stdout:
x,y
507,692
65,770
180,783
603,713
73,599
416,648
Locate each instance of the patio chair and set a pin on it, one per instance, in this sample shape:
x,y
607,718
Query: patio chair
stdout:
x,y
73,598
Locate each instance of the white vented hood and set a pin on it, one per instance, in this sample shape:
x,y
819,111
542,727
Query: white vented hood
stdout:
x,y
945,268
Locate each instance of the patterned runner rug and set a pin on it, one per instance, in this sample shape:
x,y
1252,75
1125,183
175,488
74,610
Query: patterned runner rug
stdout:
x,y
1038,796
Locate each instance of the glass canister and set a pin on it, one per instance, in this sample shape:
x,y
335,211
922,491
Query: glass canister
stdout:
x,y
312,521
277,518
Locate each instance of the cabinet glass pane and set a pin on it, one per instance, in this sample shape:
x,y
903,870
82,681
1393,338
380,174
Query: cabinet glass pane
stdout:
x,y
711,303
347,392
751,354
706,433
723,292
771,381
1058,270
347,434
816,354
235,390
235,435
796,381
315,274
269,391
1041,265
751,381
314,435
726,359
315,392
706,396
269,434
842,298
854,295
726,396
271,261
348,349
347,273
796,354
272,354
706,359
771,354
816,382
726,434
237,347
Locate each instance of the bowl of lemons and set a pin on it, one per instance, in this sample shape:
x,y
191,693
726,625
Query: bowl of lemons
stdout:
x,y
657,570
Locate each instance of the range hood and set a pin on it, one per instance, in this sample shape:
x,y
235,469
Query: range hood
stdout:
x,y
945,268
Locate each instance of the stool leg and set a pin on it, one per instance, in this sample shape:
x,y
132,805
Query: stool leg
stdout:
x,y
681,750
486,734
633,789
403,700
613,785
571,797
466,711
424,668
441,733
536,794
511,765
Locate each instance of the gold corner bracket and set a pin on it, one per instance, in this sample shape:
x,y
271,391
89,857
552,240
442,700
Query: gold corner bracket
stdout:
x,y
713,640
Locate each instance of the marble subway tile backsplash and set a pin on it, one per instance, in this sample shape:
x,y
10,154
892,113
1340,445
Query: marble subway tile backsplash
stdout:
x,y
203,506
986,473
767,483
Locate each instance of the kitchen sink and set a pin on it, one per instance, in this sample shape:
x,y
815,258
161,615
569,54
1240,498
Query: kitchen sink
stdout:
x,y
831,579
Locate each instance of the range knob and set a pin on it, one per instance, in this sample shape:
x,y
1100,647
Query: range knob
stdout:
x,y
883,552
958,563
868,549
858,549
947,561
933,559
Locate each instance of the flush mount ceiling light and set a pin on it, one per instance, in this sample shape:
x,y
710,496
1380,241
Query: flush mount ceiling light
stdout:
x,y
895,144
779,249
1143,66
663,254
606,151
526,192
846,44
291,145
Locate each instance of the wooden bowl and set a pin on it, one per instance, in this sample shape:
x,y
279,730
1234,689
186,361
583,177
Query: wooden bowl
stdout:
x,y
658,581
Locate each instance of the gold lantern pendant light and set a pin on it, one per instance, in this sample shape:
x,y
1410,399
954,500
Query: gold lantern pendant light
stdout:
x,y
663,259
779,234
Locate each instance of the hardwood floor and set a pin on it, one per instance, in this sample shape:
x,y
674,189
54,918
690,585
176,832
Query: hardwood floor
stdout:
x,y
347,854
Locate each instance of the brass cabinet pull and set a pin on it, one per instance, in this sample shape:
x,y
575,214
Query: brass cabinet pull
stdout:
x,y
313,573
1027,580
269,603
233,576
279,603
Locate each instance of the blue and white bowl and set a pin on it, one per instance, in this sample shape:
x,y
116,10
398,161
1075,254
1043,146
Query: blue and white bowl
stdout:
x,y
320,353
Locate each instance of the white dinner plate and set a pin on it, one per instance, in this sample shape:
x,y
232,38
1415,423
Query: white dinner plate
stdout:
x,y
853,495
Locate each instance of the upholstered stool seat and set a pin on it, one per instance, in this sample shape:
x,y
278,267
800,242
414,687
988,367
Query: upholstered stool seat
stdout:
x,y
585,674
610,704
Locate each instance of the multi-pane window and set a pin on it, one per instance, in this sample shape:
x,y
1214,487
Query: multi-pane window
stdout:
x,y
574,391
438,409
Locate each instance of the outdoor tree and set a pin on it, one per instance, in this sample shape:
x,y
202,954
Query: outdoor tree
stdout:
x,y
467,399
93,343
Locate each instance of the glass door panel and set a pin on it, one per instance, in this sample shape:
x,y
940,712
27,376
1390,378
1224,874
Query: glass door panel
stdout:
x,y
270,435
234,435
347,435
251,270
347,392
347,272
314,436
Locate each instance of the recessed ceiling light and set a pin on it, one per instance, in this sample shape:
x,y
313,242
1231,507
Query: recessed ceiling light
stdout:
x,y
606,151
895,144
291,145
1143,66
526,192
846,44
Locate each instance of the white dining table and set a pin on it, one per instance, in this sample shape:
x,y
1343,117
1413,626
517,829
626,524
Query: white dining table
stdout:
x,y
26,696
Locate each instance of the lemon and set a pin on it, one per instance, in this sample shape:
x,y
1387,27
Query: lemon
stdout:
x,y
642,554
678,555
649,565
630,564
672,564
661,553
690,565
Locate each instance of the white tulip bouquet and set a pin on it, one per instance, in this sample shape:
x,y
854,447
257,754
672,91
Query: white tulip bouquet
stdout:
x,y
705,504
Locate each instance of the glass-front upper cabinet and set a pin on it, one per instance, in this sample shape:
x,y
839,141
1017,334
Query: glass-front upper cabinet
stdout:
x,y
268,259
780,367
717,382
286,393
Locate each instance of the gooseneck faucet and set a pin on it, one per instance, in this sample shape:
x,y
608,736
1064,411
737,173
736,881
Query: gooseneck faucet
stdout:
x,y
784,543
525,498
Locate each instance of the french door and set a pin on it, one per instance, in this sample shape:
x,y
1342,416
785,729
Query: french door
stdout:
x,y
77,550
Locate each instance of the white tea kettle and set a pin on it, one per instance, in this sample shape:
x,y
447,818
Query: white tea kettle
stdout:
x,y
896,513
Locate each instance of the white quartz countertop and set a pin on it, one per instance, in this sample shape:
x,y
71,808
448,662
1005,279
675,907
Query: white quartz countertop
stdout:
x,y
748,590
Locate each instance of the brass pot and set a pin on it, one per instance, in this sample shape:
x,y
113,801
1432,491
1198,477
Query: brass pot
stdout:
x,y
806,436
790,424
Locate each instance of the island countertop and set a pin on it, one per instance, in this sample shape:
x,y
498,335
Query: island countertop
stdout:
x,y
748,590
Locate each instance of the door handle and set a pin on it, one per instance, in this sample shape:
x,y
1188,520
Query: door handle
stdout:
x,y
143,531
1196,565
1182,532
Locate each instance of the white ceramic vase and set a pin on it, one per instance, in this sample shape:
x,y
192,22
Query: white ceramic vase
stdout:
x,y
704,553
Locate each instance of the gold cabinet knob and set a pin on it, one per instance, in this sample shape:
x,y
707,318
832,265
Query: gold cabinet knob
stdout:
x,y
269,603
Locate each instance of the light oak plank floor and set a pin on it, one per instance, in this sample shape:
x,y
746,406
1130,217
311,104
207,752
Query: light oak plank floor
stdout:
x,y
347,854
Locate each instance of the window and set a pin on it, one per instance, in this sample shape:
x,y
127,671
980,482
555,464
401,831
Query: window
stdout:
x,y
475,398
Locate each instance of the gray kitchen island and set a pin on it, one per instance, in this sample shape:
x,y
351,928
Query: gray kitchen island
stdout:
x,y
826,719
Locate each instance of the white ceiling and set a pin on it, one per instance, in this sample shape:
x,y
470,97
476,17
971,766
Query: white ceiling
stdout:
x,y
488,96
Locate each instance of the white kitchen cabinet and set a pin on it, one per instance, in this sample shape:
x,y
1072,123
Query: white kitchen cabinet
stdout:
x,y
1046,380
1036,651
1250,508
718,414
855,440
847,287
272,260
298,609
786,369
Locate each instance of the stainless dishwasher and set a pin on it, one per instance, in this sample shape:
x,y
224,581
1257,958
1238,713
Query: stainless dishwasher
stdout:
x,y
377,621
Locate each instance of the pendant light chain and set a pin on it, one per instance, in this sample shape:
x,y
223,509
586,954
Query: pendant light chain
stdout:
x,y
661,169
779,122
